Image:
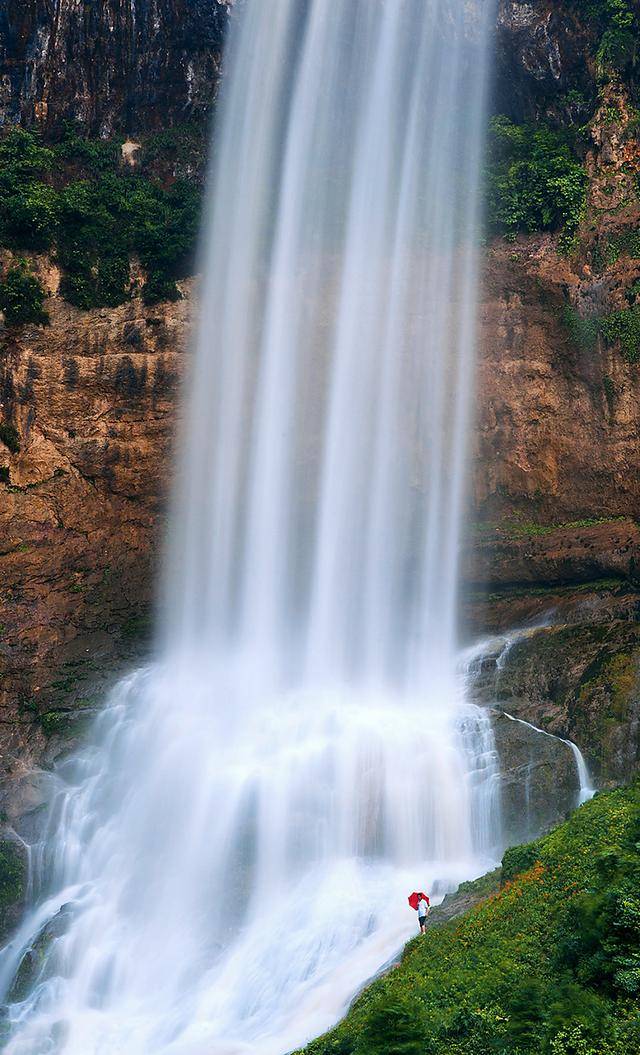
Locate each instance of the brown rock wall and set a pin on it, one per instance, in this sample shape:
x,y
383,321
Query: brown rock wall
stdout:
x,y
551,444
93,399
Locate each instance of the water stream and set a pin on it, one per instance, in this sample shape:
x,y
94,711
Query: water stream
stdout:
x,y
229,857
497,649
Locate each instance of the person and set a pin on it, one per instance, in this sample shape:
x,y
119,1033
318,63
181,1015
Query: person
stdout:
x,y
423,912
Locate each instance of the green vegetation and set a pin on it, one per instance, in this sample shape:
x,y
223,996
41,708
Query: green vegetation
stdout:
x,y
535,183
518,527
536,180
22,297
68,723
619,43
137,626
185,148
9,436
621,326
617,25
624,327
625,242
12,877
550,965
78,200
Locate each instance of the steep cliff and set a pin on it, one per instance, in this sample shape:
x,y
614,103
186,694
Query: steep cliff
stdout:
x,y
92,399
113,66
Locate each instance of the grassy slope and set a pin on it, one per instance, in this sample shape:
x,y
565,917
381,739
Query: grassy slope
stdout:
x,y
550,963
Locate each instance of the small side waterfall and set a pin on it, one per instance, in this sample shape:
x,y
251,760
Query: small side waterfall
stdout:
x,y
497,649
232,857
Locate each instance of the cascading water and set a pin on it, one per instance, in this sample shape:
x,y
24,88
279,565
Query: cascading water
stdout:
x,y
235,851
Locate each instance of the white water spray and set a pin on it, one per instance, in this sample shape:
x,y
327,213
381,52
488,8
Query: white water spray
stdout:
x,y
237,850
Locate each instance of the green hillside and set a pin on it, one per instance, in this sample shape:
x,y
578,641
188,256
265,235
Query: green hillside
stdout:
x,y
549,963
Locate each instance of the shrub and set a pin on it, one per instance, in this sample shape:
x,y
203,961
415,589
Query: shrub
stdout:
x,y
534,183
518,859
395,1026
93,156
9,436
583,332
30,216
617,27
23,157
626,242
618,45
624,326
22,297
604,925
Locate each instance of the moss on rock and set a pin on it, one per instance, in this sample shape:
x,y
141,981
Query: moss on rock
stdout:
x,y
12,882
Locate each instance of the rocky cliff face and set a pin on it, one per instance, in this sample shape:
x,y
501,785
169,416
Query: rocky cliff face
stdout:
x,y
113,66
543,64
93,398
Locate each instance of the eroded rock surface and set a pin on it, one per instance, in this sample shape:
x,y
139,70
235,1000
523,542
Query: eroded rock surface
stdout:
x,y
92,397
543,67
110,65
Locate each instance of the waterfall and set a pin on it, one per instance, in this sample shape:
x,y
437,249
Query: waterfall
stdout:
x,y
230,856
497,649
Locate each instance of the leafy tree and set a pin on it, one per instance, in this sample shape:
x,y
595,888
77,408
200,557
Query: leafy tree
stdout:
x,y
395,1026
22,297
534,182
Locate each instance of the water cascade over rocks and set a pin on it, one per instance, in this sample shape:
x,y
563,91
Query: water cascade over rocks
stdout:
x,y
229,860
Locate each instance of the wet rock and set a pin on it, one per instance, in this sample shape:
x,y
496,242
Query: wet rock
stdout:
x,y
543,62
110,66
539,783
13,881
82,516
551,447
34,960
466,897
567,555
581,682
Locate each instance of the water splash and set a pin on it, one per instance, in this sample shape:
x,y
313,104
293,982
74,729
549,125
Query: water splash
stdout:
x,y
231,858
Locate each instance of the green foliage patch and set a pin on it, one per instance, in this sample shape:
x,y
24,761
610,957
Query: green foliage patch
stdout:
x,y
534,181
617,25
79,201
621,326
22,297
624,243
9,436
549,965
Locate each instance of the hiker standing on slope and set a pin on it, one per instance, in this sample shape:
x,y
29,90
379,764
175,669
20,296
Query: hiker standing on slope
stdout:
x,y
420,903
423,911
